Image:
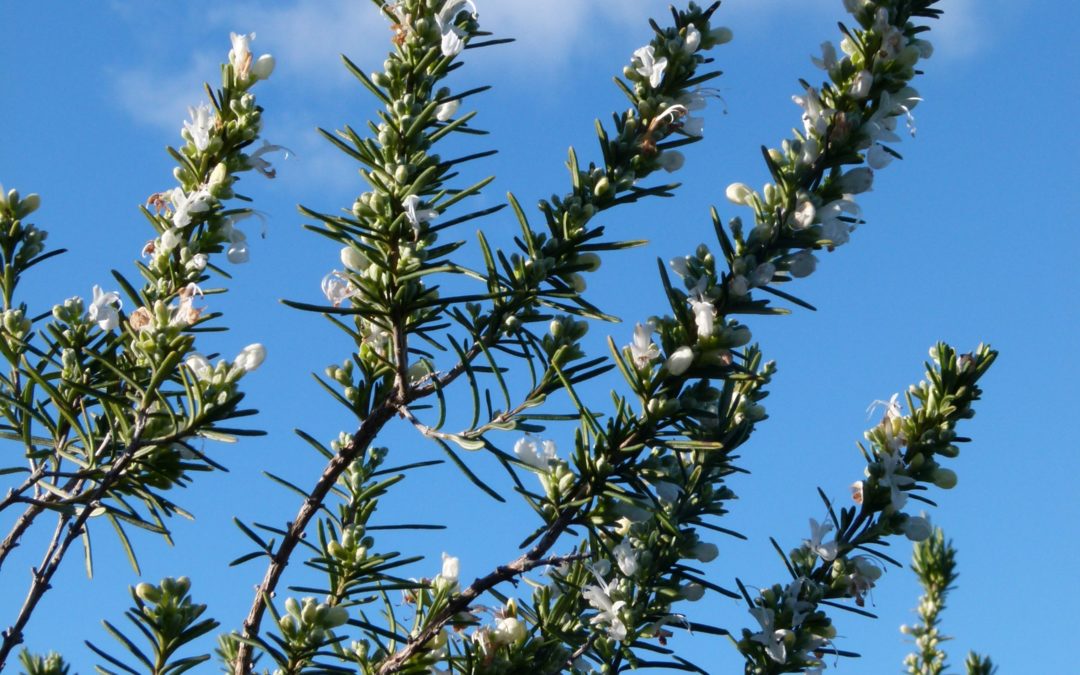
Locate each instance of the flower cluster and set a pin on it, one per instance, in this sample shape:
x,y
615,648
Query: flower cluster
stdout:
x,y
850,120
902,459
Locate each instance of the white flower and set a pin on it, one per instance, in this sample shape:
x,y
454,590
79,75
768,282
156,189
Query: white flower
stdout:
x,y
452,42
184,205
651,67
336,288
240,54
626,558
103,309
445,111
811,150
540,458
892,38
892,463
680,266
892,408
817,533
197,262
834,226
666,491
183,314
772,638
451,568
828,56
739,193
200,126
881,124
250,357
800,609
816,117
692,101
238,248
599,596
804,214
671,160
704,316
679,361
170,239
643,350
860,85
416,215
802,264
242,62
198,365
692,40
255,160
857,180
862,578
878,157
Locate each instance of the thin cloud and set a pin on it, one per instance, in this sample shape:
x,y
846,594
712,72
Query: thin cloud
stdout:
x,y
158,99
961,32
307,37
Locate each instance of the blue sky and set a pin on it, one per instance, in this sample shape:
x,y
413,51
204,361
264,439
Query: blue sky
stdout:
x,y
965,241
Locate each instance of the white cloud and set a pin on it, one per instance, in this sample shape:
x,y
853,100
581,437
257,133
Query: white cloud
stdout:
x,y
160,99
307,37
547,34
961,32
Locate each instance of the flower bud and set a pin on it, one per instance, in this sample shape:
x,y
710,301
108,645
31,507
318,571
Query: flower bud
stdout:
x,y
292,607
262,67
602,188
445,111
334,617
739,193
720,35
250,357
917,528
591,261
509,630
29,204
704,551
944,478
679,361
148,592
692,591
802,264
671,160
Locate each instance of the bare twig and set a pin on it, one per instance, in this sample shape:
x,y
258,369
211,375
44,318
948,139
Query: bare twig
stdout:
x,y
42,576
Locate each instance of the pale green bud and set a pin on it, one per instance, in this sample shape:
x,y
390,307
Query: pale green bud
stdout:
x,y
292,607
721,35
944,478
335,616
148,592
591,261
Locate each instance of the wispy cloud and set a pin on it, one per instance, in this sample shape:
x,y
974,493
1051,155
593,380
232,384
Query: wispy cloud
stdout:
x,y
962,32
158,98
307,37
